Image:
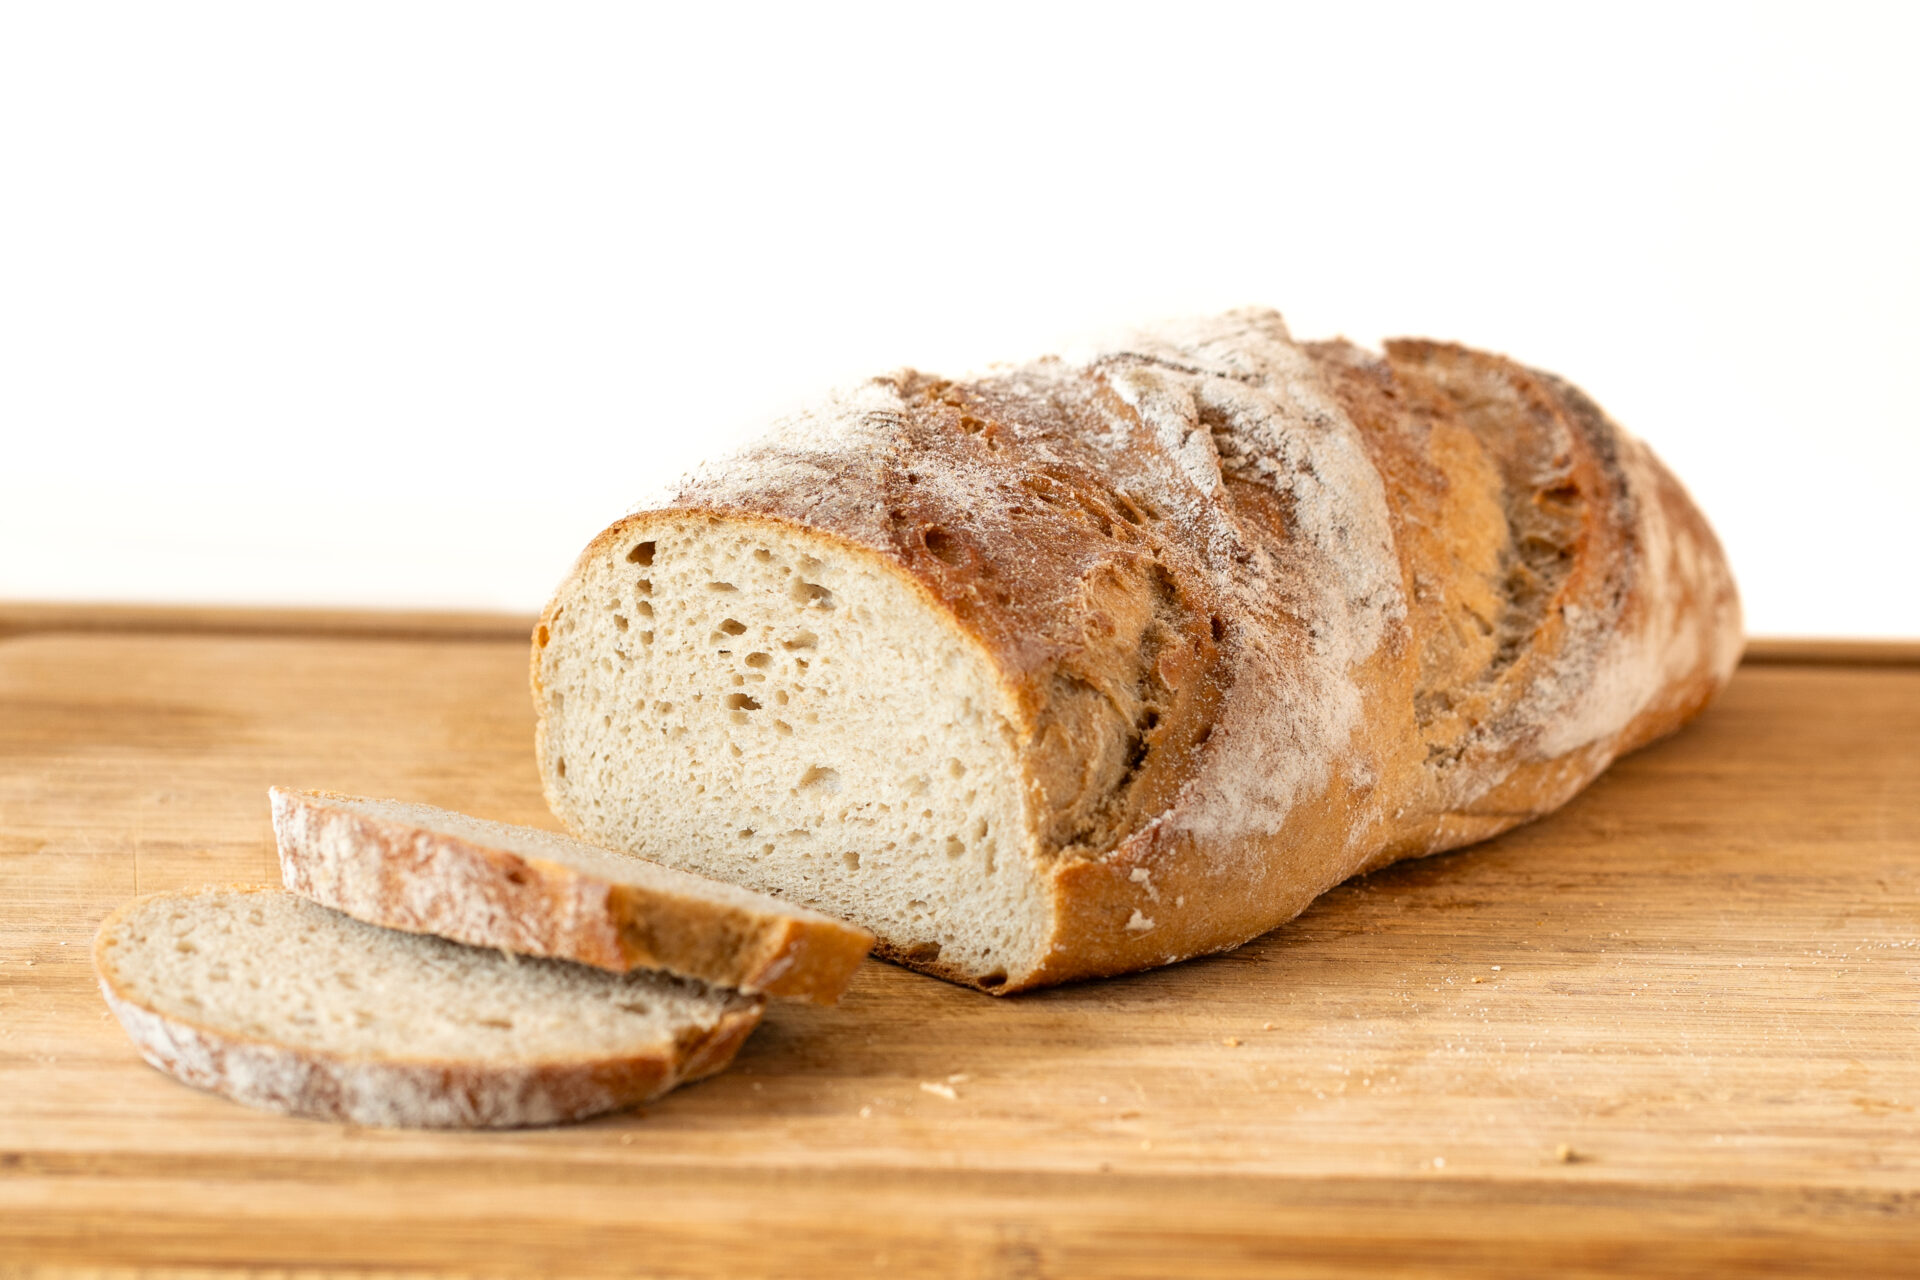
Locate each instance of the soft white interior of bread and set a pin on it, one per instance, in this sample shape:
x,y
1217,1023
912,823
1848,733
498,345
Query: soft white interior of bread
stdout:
x,y
549,846
763,705
271,966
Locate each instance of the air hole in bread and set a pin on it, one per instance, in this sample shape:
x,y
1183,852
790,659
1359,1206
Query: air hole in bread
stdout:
x,y
741,702
541,637
801,640
820,777
641,554
722,587
732,628
620,622
940,544
759,659
812,594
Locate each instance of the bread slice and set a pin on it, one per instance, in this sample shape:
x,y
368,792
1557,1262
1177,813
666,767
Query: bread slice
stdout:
x,y
275,1002
426,870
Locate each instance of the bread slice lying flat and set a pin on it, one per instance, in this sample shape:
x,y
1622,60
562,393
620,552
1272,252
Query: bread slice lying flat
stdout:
x,y
426,870
276,1002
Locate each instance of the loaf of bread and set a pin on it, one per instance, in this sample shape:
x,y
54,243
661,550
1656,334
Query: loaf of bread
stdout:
x,y
488,884
1092,665
276,1002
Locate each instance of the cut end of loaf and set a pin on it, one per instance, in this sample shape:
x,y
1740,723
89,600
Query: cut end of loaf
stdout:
x,y
770,706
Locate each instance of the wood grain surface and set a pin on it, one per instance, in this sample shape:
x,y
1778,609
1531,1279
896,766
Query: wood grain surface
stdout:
x,y
1672,1030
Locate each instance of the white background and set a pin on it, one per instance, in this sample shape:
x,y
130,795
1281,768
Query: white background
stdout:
x,y
398,304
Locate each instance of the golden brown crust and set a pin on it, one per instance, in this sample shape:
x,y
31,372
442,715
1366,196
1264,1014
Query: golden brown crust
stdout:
x,y
1268,615
713,1052
1515,505
404,876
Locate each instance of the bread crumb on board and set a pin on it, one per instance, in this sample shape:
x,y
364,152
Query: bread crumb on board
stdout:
x,y
939,1090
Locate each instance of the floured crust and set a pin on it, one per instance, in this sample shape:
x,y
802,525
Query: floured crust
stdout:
x,y
1265,615
427,1094
404,876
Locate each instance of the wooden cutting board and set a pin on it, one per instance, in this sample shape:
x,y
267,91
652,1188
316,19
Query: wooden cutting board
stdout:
x,y
1673,1029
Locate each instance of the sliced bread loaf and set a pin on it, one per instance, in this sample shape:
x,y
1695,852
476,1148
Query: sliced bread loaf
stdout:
x,y
426,870
1081,667
275,1002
